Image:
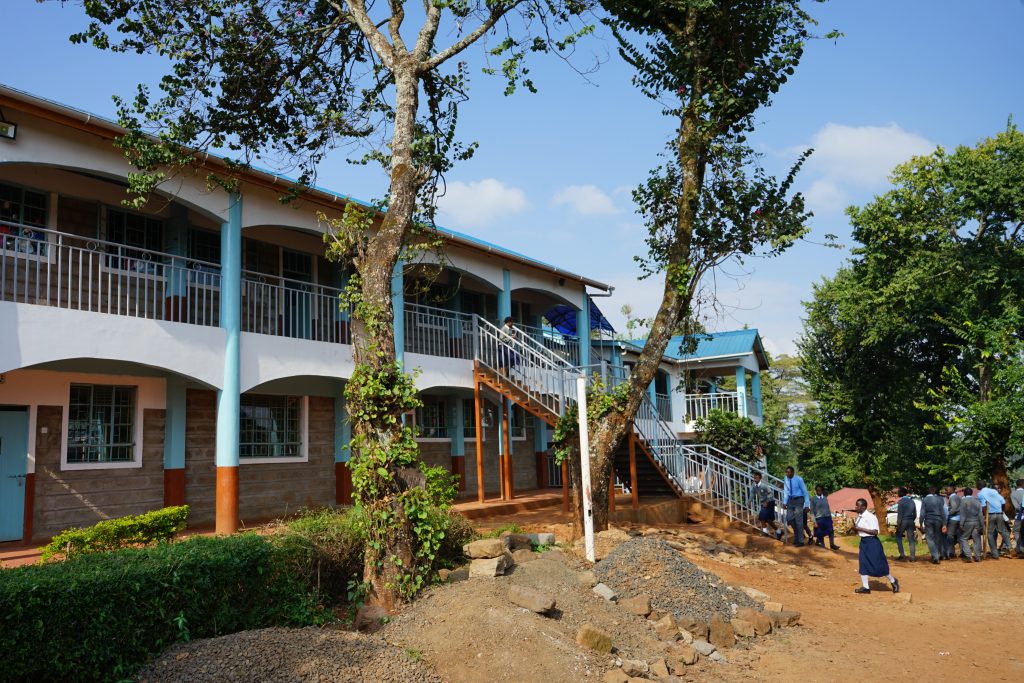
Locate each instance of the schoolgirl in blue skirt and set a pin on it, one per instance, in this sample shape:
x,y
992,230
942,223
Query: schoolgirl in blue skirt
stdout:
x,y
872,556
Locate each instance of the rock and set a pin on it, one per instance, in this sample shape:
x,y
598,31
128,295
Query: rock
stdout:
x,y
755,594
814,573
443,574
542,539
685,654
522,556
517,541
594,638
703,647
634,667
762,624
667,628
717,657
904,597
485,548
685,636
460,574
605,592
720,633
553,554
615,676
784,618
655,615
695,626
533,600
676,545
773,607
587,579
612,535
659,668
639,605
742,628
491,567
370,618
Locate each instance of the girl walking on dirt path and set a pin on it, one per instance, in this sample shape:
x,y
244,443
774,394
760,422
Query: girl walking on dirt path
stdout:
x,y
872,556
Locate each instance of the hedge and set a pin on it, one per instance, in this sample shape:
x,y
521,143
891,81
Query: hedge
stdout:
x,y
123,532
100,616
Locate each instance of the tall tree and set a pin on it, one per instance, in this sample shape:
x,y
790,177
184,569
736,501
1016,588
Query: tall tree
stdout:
x,y
712,64
290,80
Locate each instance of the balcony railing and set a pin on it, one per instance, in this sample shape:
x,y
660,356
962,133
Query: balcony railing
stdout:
x,y
565,345
291,308
437,332
664,404
699,405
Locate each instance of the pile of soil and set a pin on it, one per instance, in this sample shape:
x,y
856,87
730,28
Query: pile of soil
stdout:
x,y
649,566
281,655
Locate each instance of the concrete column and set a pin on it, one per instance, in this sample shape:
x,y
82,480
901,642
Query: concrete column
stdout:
x,y
456,415
174,443
583,329
342,454
741,390
176,274
505,296
398,305
229,398
755,390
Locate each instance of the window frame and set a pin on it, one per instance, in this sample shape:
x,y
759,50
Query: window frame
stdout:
x,y
443,419
303,434
157,271
511,423
45,241
137,437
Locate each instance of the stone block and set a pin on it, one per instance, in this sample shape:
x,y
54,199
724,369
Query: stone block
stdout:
x,y
667,628
685,636
755,594
605,592
517,541
698,628
703,647
542,539
773,607
485,548
522,556
742,628
720,633
587,579
491,567
762,624
639,605
905,597
615,676
593,638
531,599
634,667
784,618
685,654
659,669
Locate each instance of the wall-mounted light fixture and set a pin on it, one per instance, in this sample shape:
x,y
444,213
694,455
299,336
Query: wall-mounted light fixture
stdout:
x,y
7,129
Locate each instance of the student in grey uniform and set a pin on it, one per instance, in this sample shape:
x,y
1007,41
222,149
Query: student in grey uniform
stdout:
x,y
933,521
764,504
906,522
822,515
952,522
970,525
992,502
1017,498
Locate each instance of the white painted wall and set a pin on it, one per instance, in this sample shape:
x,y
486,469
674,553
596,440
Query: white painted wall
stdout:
x,y
34,388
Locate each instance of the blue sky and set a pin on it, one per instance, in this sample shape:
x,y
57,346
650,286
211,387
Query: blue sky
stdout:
x,y
553,174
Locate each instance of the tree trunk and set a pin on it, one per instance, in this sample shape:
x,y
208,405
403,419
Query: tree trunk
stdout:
x,y
373,339
881,505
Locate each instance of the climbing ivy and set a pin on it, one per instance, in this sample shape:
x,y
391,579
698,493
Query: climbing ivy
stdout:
x,y
601,400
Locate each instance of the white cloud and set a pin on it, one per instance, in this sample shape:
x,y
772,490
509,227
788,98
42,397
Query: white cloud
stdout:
x,y
481,202
824,196
588,200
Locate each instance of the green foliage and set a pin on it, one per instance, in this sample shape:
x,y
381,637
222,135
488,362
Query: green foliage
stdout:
x,y
442,486
601,401
324,548
123,532
736,435
99,616
496,532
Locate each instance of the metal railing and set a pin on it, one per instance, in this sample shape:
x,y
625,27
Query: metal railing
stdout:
x,y
699,405
291,308
50,268
565,346
438,332
752,409
664,405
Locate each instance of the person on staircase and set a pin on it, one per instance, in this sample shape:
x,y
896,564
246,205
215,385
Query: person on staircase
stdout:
x,y
933,522
764,504
872,556
508,357
795,499
822,514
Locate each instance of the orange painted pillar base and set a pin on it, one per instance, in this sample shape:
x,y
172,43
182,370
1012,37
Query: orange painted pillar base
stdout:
x,y
342,483
227,500
174,487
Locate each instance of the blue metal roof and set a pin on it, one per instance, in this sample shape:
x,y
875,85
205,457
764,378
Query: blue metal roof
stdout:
x,y
716,345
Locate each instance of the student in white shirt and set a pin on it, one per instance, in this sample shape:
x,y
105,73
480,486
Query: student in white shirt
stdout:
x,y
872,556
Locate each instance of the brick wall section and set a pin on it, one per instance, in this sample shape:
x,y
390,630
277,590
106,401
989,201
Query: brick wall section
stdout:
x,y
266,490
524,465
77,498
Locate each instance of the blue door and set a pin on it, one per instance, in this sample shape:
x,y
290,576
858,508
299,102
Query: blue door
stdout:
x,y
13,456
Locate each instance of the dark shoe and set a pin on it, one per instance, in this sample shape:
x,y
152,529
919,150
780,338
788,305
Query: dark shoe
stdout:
x,y
799,545
913,559
977,559
934,561
895,585
965,559
835,547
862,591
903,558
820,544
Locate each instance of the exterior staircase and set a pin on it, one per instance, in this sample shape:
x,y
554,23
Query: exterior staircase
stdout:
x,y
544,384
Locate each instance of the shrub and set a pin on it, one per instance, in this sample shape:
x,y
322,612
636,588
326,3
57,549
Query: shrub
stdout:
x,y
99,616
124,532
458,531
325,549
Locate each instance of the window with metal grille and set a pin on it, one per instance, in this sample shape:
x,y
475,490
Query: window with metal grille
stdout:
x,y
101,424
270,426
20,208
139,235
468,418
432,418
517,417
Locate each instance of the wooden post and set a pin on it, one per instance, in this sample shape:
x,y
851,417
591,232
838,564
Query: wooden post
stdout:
x,y
480,494
632,471
507,493
565,485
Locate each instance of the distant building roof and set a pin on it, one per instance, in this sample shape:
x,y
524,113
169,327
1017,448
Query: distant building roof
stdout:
x,y
716,345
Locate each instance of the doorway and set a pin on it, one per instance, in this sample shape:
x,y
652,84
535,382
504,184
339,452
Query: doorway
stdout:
x,y
13,457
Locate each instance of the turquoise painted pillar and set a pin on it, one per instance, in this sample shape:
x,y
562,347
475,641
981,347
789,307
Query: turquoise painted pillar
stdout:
x,y
505,296
714,390
583,329
456,417
755,390
176,272
540,435
174,428
653,394
398,305
342,431
741,390
228,398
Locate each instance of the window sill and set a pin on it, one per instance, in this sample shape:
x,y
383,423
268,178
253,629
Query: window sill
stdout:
x,y
72,466
271,460
432,439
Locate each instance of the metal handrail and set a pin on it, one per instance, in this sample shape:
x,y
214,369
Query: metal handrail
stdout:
x,y
438,332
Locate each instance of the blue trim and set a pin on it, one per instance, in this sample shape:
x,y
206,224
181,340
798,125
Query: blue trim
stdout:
x,y
741,389
540,437
583,324
457,413
342,431
228,398
398,304
174,426
505,296
755,389
177,244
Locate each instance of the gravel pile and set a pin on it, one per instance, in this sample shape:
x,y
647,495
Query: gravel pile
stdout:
x,y
647,566
286,655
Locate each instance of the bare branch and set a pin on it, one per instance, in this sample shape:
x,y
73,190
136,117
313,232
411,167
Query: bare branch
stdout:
x,y
378,41
444,55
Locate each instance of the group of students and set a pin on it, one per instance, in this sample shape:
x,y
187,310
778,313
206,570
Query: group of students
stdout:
x,y
799,506
959,519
